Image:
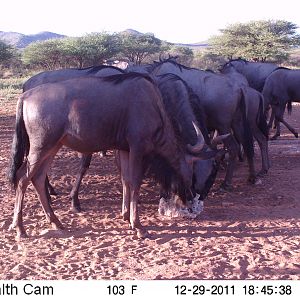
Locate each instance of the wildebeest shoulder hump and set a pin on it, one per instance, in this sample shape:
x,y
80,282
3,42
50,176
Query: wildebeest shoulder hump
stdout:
x,y
118,78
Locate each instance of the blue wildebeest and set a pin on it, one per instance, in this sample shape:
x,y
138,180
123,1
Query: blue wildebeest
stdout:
x,y
61,75
224,107
169,93
179,101
88,114
255,113
282,87
256,74
176,97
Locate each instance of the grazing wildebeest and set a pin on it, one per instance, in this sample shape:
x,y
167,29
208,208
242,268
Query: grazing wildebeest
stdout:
x,y
282,87
255,113
88,114
179,100
256,74
224,107
61,75
176,97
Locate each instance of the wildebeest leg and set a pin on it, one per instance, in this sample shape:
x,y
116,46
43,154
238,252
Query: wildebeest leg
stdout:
x,y
263,145
84,165
277,126
124,166
50,187
289,127
241,154
279,118
38,181
239,135
23,182
271,120
233,149
135,177
35,166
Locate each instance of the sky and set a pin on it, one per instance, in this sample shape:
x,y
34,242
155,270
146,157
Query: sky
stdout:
x,y
184,21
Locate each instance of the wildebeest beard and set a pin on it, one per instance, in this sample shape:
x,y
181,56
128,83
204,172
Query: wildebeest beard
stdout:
x,y
159,169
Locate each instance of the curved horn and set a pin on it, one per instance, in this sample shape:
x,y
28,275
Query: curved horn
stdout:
x,y
200,141
219,139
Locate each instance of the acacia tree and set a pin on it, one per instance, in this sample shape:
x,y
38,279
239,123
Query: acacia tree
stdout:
x,y
91,49
256,40
185,54
46,54
6,53
136,47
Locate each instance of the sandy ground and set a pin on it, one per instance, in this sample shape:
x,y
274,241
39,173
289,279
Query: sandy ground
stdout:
x,y
250,233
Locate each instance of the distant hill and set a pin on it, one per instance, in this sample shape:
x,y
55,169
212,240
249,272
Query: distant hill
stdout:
x,y
131,31
195,46
20,40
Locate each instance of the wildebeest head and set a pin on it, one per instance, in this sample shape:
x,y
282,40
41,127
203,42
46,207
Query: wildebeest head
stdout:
x,y
205,172
204,175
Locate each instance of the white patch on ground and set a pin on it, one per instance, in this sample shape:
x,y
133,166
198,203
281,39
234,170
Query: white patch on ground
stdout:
x,y
172,209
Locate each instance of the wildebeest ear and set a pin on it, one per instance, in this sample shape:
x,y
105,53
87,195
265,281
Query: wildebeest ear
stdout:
x,y
219,139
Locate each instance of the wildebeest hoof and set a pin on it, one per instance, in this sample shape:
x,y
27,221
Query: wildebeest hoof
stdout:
x,y
76,209
21,236
57,226
52,192
296,134
142,233
11,227
103,153
126,217
251,179
226,187
274,137
262,173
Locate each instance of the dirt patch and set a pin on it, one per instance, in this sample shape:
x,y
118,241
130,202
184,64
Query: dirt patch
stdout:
x,y
250,233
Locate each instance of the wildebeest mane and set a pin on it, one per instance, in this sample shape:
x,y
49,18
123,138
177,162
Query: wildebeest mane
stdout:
x,y
171,60
233,60
239,60
157,168
118,78
280,68
95,69
194,101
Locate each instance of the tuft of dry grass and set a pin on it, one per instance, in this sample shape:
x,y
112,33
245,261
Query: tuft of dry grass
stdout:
x,y
10,90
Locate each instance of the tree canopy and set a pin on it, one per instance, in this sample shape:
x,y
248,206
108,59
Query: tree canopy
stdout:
x,y
91,49
136,47
256,40
6,52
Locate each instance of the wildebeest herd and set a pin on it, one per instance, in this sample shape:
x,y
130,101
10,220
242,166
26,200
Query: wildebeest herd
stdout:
x,y
164,120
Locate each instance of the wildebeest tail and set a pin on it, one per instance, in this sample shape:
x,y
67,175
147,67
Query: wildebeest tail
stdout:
x,y
20,145
262,118
248,143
